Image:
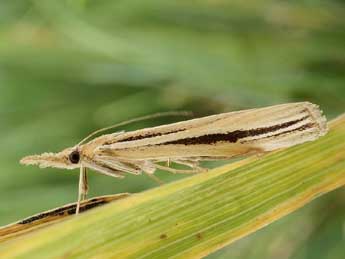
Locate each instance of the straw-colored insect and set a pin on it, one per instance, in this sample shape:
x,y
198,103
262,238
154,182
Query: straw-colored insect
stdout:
x,y
220,136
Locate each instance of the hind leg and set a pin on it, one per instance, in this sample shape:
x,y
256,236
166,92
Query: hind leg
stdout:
x,y
193,164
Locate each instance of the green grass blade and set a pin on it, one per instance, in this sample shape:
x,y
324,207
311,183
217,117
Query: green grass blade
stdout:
x,y
198,215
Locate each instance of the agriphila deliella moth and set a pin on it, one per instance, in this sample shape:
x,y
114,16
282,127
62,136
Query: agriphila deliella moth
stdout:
x,y
219,136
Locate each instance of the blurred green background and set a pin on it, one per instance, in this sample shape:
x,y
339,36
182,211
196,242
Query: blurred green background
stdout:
x,y
70,67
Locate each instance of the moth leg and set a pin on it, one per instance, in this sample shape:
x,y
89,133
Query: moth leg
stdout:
x,y
121,165
155,178
85,184
194,164
178,171
83,187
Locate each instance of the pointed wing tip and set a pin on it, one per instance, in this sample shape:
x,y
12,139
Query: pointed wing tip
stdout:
x,y
320,119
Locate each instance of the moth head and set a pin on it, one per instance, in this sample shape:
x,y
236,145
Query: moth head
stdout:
x,y
68,159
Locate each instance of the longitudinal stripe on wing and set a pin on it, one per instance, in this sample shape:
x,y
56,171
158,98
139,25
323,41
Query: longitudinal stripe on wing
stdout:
x,y
223,135
152,133
233,136
301,128
149,135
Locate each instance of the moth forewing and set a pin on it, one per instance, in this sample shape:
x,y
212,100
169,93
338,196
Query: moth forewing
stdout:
x,y
224,135
224,122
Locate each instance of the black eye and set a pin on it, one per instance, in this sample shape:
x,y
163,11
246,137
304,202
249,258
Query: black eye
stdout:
x,y
74,157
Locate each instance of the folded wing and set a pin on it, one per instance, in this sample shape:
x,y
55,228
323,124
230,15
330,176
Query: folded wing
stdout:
x,y
224,135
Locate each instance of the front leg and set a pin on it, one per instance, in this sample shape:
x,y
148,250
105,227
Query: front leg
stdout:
x,y
83,187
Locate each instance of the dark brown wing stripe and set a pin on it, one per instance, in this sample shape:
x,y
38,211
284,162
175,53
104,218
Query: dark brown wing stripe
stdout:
x,y
301,128
157,134
233,136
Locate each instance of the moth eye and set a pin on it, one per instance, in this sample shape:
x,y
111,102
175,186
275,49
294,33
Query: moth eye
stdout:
x,y
74,157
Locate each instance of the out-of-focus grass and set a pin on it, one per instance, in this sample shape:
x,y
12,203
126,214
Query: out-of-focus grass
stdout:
x,y
69,67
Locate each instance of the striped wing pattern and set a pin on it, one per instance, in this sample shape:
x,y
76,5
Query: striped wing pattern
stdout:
x,y
222,135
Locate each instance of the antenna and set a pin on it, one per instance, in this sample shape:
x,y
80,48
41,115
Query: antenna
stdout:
x,y
146,117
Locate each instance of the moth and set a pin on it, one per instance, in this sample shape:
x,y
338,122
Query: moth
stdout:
x,y
220,136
